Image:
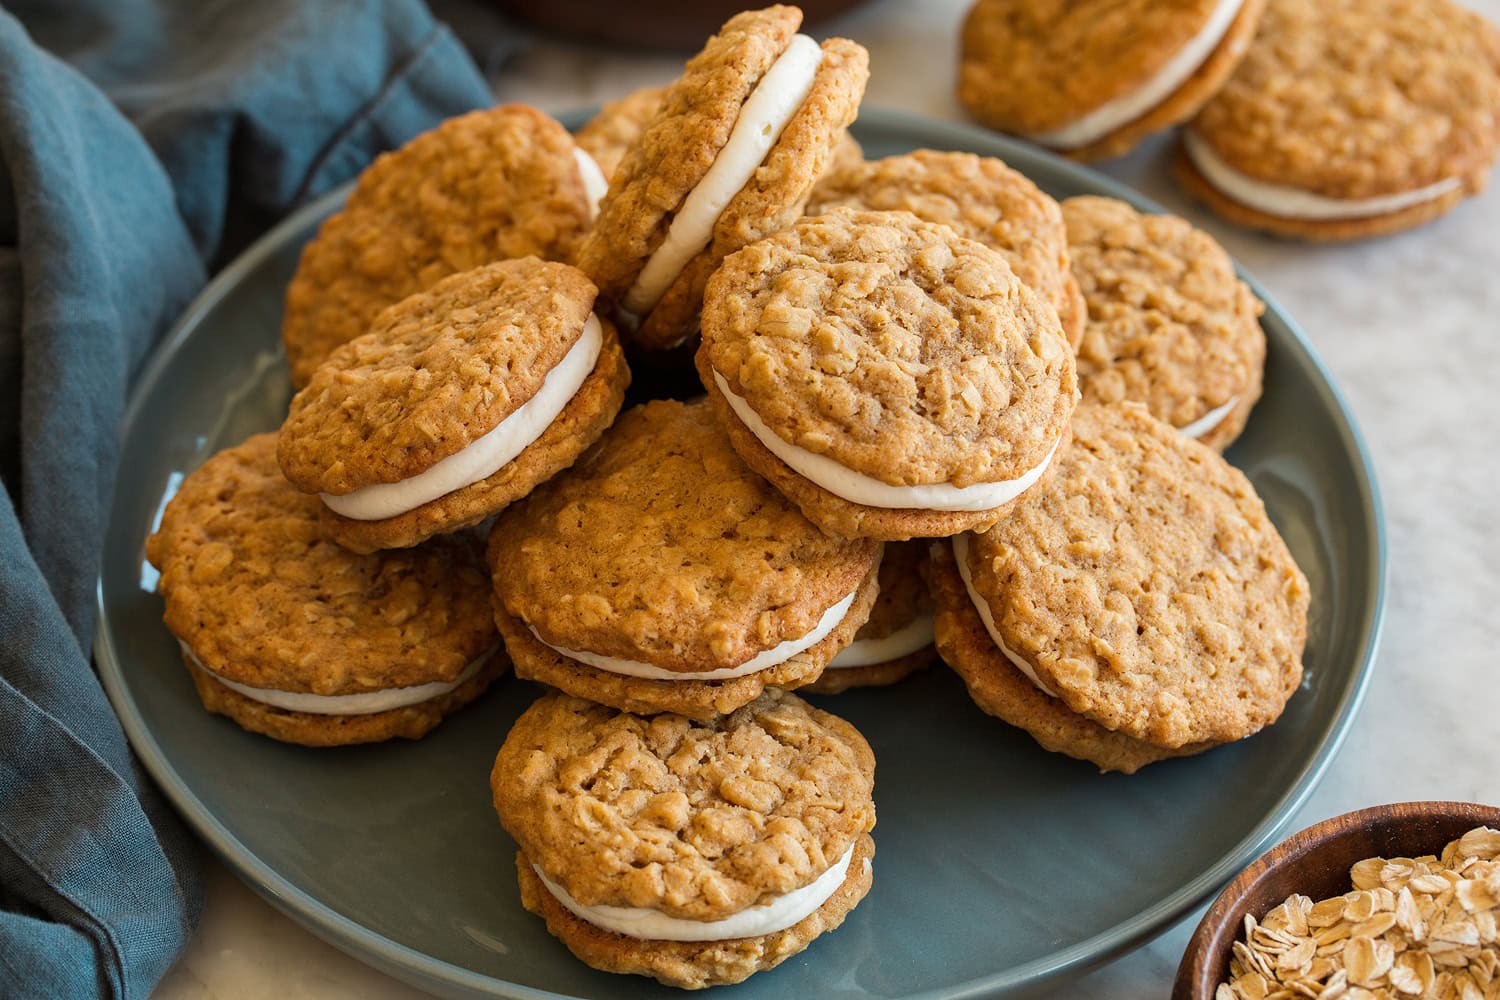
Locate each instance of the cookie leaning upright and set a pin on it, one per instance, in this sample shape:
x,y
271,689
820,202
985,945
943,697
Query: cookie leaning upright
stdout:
x,y
660,574
489,185
893,379
296,638
978,197
1144,594
459,400
1350,118
1091,78
1170,324
695,853
731,155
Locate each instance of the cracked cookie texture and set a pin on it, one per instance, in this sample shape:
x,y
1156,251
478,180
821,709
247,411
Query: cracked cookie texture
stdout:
x,y
441,369
484,186
978,197
1170,325
262,599
1147,587
695,820
1356,99
1031,67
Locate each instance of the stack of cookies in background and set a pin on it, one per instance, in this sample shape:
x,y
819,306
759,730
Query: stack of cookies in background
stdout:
x,y
1316,119
917,406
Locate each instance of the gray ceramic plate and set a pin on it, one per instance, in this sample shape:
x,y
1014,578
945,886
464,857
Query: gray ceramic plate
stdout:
x,y
999,867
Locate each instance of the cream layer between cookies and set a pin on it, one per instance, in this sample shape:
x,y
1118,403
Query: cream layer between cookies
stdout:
x,y
345,704
486,455
856,487
764,114
1294,203
594,184
961,556
1209,420
764,660
1126,108
915,635
764,918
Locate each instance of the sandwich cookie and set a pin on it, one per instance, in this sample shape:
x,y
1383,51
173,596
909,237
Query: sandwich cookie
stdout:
x,y
1000,688
295,638
731,156
660,574
892,378
1169,323
489,185
620,124
1144,590
981,199
897,640
1091,78
1349,119
459,400
697,853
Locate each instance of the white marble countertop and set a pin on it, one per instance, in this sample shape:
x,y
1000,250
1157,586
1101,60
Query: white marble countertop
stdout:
x,y
1409,326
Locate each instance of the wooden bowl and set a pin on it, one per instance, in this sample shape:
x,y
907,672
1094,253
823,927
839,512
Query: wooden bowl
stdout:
x,y
1316,863
649,24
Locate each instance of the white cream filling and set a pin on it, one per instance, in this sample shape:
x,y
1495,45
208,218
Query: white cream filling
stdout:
x,y
856,487
961,556
779,653
1128,107
345,704
481,458
763,918
1209,420
594,184
765,113
1295,203
915,635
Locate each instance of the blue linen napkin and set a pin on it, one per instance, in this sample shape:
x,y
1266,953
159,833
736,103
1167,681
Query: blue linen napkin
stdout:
x,y
142,143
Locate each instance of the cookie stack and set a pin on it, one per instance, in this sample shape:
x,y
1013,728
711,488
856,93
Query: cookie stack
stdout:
x,y
1314,120
882,454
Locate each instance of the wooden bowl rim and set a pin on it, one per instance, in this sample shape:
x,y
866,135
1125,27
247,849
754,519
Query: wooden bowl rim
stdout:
x,y
1296,850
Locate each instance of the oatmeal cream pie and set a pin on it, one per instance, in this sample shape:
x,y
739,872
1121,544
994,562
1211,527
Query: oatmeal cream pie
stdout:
x,y
698,853
1170,325
489,185
1349,119
981,199
892,378
897,640
1144,597
660,574
296,638
1091,78
730,156
458,401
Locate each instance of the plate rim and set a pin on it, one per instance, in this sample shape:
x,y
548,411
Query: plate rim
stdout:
x,y
420,969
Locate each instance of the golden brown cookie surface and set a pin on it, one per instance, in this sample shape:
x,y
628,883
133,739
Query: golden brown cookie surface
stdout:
x,y
700,819
661,546
680,144
1147,588
485,186
981,199
263,599
1001,690
1032,67
1360,98
1169,323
